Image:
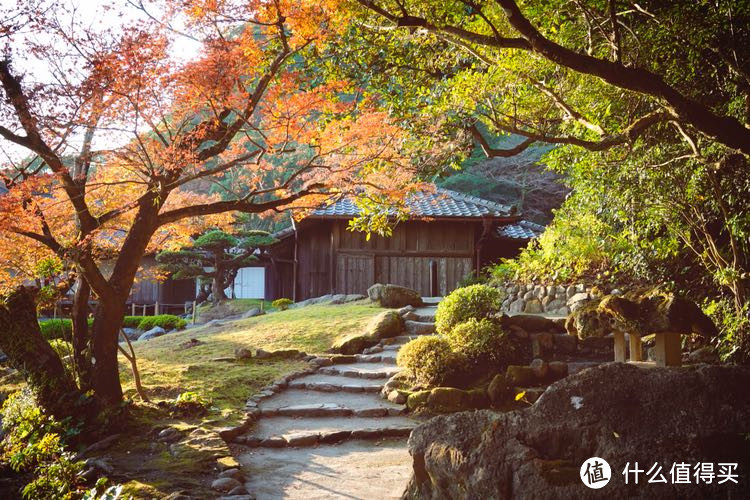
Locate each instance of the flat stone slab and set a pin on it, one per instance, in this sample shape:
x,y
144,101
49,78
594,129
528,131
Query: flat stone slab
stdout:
x,y
381,357
335,383
577,366
305,403
295,432
284,426
351,470
362,370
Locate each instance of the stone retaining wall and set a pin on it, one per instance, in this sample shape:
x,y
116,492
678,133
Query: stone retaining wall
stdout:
x,y
549,299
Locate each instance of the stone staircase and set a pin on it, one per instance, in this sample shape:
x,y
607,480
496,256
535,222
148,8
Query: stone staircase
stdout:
x,y
329,433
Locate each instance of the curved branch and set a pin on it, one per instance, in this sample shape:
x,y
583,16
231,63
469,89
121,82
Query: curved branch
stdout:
x,y
498,153
724,129
242,205
632,132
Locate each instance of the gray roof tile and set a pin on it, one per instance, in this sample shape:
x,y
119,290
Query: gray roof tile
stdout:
x,y
441,203
521,230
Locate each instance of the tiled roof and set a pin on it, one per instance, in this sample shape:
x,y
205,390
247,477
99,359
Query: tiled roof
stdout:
x,y
521,230
441,203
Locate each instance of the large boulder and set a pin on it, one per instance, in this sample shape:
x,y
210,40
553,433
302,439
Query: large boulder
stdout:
x,y
156,331
617,412
394,295
354,344
384,325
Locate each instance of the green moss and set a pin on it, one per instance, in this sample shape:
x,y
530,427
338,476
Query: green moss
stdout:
x,y
417,400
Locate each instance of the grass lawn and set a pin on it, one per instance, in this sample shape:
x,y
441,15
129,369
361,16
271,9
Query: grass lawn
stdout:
x,y
209,311
171,364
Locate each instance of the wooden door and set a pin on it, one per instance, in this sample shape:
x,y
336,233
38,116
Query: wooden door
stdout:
x,y
354,273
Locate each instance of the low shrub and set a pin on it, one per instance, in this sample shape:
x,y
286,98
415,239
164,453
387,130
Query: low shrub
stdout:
x,y
35,442
430,361
56,328
733,343
189,404
166,321
475,301
131,321
483,342
282,304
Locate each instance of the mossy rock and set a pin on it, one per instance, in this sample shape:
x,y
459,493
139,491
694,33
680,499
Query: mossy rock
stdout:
x,y
499,389
417,400
354,344
589,321
448,400
384,325
520,375
654,310
478,398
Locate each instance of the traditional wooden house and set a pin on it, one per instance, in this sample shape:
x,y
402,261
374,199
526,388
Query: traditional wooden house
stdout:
x,y
448,236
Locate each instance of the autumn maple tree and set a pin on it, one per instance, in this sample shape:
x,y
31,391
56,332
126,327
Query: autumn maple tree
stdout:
x,y
113,145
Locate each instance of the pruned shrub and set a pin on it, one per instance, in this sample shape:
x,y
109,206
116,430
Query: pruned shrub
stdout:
x,y
282,304
131,321
56,328
483,342
475,301
430,361
166,321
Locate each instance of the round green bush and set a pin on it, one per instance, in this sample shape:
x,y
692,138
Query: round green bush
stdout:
x,y
483,342
282,304
475,301
166,321
430,361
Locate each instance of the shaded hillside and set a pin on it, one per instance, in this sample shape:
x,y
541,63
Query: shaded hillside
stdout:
x,y
519,180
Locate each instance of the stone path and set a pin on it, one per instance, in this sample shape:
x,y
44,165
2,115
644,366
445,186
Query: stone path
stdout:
x,y
330,434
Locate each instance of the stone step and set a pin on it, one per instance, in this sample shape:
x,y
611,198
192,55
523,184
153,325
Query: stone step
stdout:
x,y
306,403
361,370
354,469
277,432
383,357
419,327
392,347
334,383
399,340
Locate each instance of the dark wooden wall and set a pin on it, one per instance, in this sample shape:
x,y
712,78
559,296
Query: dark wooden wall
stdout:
x,y
334,260
149,291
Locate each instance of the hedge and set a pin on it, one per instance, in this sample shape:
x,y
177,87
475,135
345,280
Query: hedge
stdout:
x,y
63,328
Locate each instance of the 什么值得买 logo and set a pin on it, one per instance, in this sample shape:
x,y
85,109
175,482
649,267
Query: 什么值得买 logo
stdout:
x,y
595,473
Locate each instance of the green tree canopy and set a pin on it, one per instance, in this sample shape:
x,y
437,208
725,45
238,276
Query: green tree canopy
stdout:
x,y
217,256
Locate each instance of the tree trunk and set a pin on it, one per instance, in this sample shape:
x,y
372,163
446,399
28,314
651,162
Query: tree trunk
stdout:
x,y
81,337
218,287
21,340
106,329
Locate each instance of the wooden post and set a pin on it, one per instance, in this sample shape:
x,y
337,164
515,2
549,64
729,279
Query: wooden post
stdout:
x,y
619,347
132,309
262,305
156,308
144,310
636,348
668,349
186,308
195,308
